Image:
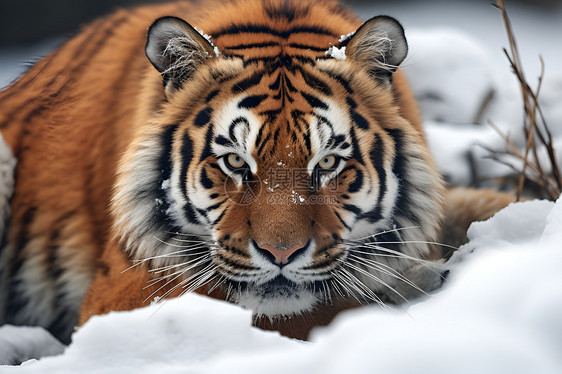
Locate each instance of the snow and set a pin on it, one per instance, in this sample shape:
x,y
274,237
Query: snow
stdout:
x,y
337,53
23,343
499,311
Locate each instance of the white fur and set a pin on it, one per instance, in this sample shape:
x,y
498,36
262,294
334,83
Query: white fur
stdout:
x,y
7,167
278,306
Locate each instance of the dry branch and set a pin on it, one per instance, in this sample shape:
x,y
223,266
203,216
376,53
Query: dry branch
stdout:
x,y
535,128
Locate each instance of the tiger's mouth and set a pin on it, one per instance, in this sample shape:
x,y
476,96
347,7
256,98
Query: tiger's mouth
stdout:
x,y
279,297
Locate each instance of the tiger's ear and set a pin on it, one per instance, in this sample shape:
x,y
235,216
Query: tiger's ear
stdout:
x,y
379,45
176,49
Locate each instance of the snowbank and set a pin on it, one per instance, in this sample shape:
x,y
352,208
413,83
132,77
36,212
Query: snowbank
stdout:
x,y
498,313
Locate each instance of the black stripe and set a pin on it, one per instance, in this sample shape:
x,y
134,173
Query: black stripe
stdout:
x,y
289,85
275,143
234,264
17,299
211,95
337,140
403,201
316,83
260,135
254,45
207,149
254,29
377,158
312,48
252,101
265,141
190,213
341,220
204,179
217,205
344,82
271,114
356,153
306,137
352,208
203,117
237,251
233,125
359,120
304,59
314,102
275,85
357,183
64,321
186,158
246,83
221,140
219,218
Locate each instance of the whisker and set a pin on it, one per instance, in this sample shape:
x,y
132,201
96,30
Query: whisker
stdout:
x,y
169,267
190,235
388,250
175,245
180,272
386,232
383,268
338,280
406,242
372,296
214,242
219,282
335,285
184,283
166,255
374,277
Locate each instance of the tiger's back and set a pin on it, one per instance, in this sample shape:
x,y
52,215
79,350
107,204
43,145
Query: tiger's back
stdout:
x,y
70,119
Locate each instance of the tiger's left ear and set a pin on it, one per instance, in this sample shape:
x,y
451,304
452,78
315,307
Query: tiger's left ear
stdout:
x,y
176,49
379,45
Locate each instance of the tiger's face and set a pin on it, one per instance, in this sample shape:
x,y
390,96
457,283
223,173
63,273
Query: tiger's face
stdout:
x,y
282,183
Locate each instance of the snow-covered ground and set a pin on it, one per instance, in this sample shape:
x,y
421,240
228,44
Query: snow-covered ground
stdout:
x,y
499,312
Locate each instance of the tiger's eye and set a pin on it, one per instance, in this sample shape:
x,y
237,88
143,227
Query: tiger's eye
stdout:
x,y
327,162
235,161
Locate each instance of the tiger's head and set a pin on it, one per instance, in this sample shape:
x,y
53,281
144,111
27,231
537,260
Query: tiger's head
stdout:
x,y
280,177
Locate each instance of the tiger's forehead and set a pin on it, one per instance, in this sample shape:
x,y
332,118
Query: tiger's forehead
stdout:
x,y
282,119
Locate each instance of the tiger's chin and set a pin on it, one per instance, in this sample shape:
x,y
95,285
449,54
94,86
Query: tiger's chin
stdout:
x,y
277,299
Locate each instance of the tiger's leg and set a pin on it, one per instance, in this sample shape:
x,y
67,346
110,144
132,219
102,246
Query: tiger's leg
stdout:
x,y
120,286
117,286
466,205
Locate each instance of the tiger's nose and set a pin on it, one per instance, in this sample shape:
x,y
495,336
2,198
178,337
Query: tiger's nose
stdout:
x,y
282,255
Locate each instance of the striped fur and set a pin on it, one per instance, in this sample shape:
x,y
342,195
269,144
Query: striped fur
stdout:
x,y
122,162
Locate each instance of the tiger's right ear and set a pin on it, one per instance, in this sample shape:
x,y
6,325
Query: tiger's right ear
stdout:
x,y
379,45
176,49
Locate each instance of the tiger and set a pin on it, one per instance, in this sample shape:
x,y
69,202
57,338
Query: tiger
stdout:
x,y
271,156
